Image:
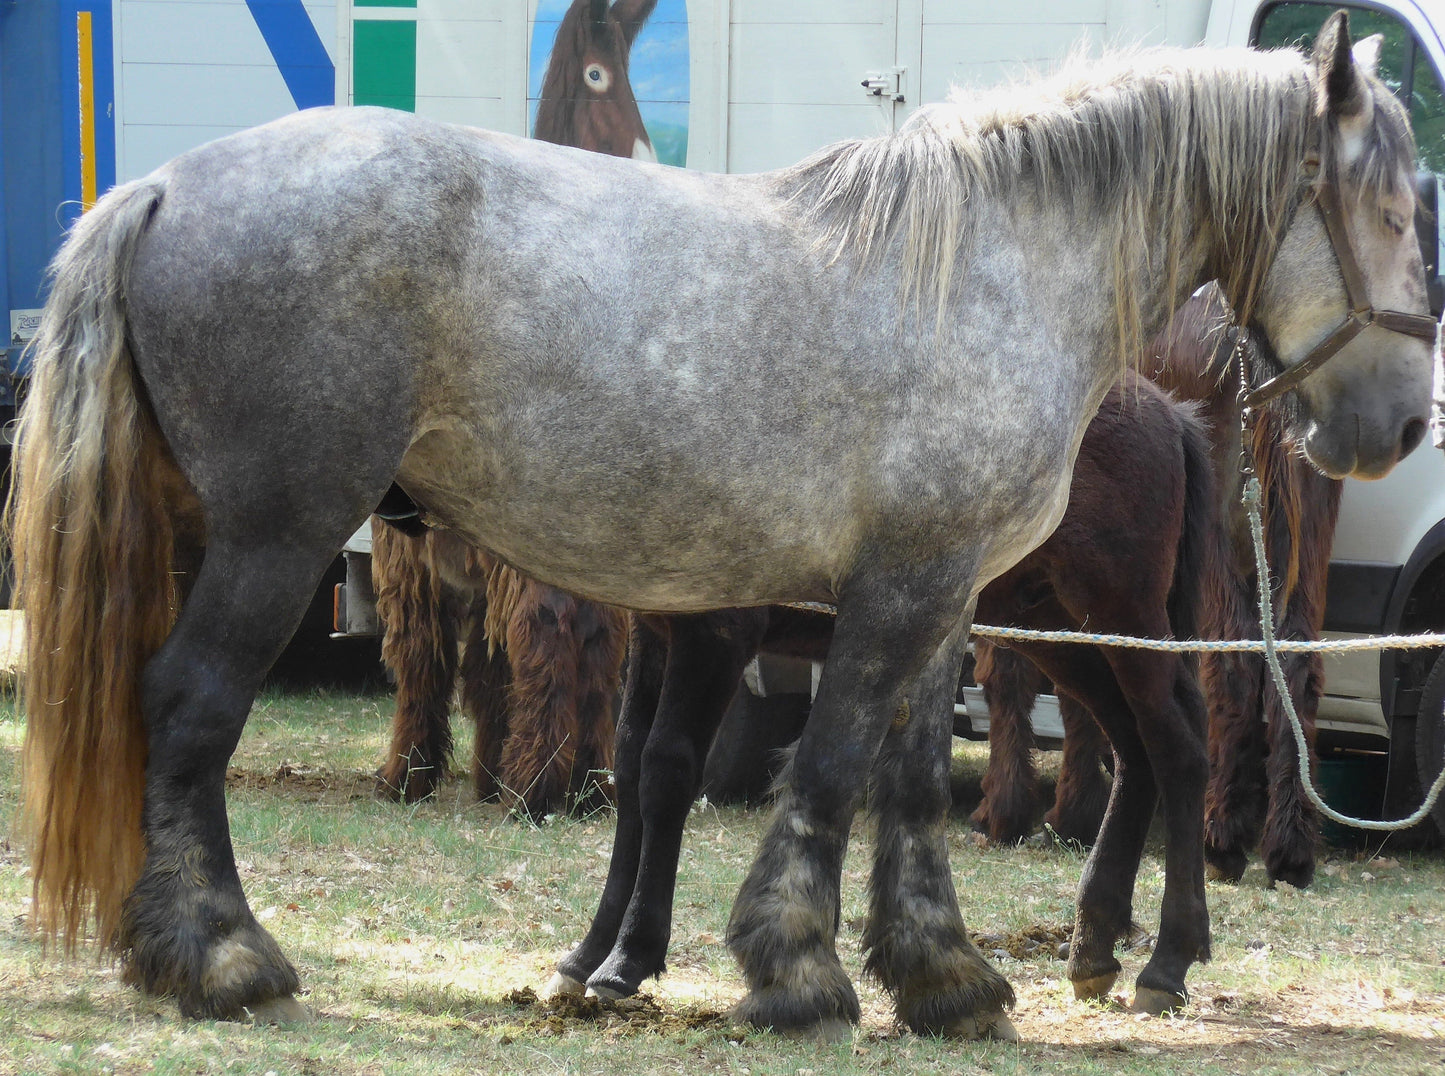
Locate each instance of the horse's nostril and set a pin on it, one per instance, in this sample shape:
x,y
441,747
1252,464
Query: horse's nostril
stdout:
x,y
1413,434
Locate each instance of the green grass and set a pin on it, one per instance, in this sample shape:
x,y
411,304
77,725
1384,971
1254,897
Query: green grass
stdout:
x,y
412,927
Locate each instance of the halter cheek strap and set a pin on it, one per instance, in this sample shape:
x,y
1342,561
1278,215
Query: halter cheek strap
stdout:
x,y
1362,313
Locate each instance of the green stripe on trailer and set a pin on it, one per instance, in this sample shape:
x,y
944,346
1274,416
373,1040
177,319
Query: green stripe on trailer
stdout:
x,y
384,63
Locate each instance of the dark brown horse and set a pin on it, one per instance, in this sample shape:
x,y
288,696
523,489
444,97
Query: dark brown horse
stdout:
x,y
540,683
1126,558
587,96
1254,772
539,672
1254,781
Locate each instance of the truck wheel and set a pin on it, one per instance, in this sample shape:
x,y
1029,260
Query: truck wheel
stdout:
x,y
1430,735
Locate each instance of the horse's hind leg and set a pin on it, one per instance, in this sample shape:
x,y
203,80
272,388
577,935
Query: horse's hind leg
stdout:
x,y
916,941
1010,685
1104,911
187,929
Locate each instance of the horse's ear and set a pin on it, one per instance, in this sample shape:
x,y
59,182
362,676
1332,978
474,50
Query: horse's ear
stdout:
x,y
1367,54
631,14
1342,87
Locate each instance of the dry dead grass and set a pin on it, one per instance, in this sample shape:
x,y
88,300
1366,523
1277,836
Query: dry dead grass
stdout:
x,y
418,931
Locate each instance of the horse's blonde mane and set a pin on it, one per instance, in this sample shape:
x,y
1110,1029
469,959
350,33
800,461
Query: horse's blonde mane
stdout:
x,y
1146,145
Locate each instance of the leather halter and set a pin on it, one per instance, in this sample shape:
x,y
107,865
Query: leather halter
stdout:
x,y
1362,315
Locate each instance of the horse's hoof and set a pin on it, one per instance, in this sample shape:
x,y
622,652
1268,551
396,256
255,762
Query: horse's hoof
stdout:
x,y
829,1032
994,1025
284,1011
1299,875
1221,865
607,992
1157,1002
1095,987
561,985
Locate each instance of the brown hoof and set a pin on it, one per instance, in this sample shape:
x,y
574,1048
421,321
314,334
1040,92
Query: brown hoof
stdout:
x,y
284,1011
1095,987
561,985
1157,1002
993,1025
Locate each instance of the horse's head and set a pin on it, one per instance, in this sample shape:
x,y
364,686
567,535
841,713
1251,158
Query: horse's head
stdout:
x,y
1347,284
587,98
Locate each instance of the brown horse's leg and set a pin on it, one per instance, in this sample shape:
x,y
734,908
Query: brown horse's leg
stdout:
x,y
540,753
1154,715
1291,829
420,650
1104,910
1010,800
915,939
486,683
1235,799
599,671
1082,795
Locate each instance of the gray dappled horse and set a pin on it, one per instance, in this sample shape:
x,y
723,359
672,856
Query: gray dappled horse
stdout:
x,y
859,380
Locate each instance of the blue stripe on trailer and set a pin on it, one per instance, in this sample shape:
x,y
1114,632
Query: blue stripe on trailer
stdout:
x,y
297,49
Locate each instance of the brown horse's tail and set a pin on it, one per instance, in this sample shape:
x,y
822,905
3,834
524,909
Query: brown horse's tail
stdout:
x,y
1201,538
92,550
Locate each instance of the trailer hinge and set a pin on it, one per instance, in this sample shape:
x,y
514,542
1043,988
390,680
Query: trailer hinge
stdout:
x,y
887,83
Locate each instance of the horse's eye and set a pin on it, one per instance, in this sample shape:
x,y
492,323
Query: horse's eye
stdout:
x,y
1394,222
598,78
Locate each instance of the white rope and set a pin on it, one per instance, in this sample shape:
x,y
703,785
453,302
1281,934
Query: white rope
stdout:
x,y
1266,624
1312,646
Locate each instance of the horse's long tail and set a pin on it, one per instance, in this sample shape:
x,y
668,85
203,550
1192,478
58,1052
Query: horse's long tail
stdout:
x,y
92,552
1200,538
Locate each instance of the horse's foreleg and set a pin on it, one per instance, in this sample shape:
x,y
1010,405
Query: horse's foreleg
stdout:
x,y
642,691
784,923
1235,797
1292,824
704,667
187,929
1291,829
1082,795
1010,685
915,939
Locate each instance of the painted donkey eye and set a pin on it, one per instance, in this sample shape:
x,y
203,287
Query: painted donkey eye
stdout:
x,y
598,78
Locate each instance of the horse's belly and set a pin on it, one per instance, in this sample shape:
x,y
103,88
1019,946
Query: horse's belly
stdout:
x,y
633,539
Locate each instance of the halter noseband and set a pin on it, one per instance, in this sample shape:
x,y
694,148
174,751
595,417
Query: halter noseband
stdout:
x,y
1362,313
